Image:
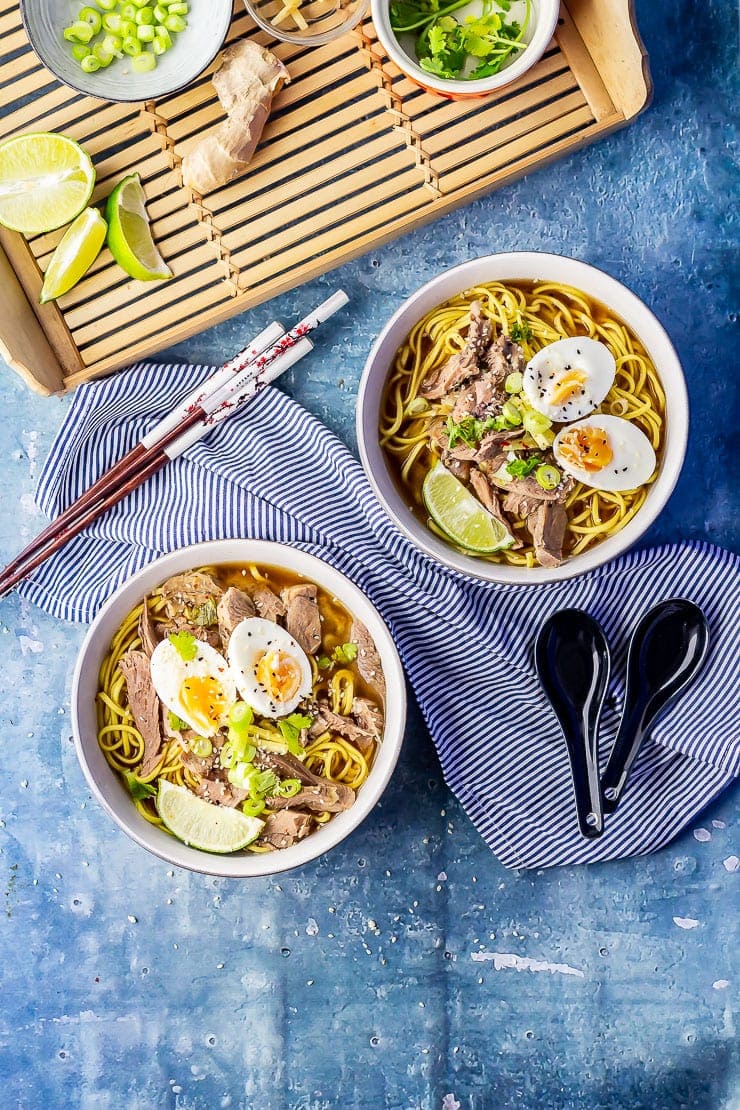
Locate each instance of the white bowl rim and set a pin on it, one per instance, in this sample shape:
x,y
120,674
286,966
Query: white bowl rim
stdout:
x,y
525,266
216,552
548,12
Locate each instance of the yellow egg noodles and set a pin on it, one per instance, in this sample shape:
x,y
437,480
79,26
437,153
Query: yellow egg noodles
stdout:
x,y
540,313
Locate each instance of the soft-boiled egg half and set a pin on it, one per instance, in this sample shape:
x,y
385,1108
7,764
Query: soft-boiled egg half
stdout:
x,y
271,670
568,379
200,690
605,452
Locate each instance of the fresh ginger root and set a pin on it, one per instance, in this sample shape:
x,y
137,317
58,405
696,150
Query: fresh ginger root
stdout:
x,y
246,81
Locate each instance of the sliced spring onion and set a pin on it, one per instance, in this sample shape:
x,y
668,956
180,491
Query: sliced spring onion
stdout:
x,y
201,746
89,64
511,414
112,45
514,382
535,422
241,715
104,56
143,63
288,788
175,23
78,32
253,807
140,29
91,16
547,477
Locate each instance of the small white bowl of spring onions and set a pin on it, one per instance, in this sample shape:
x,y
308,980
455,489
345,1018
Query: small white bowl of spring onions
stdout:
x,y
127,50
465,48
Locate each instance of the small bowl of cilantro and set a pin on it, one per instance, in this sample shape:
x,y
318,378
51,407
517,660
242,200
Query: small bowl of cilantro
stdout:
x,y
462,48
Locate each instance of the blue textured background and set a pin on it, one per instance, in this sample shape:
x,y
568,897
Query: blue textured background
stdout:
x,y
355,982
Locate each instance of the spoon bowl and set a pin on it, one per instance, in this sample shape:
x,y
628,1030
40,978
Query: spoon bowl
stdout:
x,y
666,652
573,662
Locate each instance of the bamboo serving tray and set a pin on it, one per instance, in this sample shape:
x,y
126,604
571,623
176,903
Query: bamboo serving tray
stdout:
x,y
354,154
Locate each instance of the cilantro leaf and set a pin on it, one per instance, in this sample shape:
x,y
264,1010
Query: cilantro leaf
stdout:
x,y
185,644
138,789
521,468
520,330
291,729
471,431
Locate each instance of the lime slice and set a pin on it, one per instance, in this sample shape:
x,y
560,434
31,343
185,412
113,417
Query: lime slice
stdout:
x,y
129,236
78,248
202,825
460,515
45,181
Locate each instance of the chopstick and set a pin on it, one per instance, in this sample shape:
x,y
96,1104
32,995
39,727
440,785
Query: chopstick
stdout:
x,y
143,450
232,386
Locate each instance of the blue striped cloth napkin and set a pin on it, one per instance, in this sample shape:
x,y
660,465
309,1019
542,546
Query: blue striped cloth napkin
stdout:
x,y
275,472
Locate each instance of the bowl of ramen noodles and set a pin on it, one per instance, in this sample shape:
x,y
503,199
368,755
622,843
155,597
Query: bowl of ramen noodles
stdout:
x,y
238,707
523,418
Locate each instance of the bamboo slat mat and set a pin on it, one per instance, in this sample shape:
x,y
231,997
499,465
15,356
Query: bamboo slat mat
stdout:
x,y
354,154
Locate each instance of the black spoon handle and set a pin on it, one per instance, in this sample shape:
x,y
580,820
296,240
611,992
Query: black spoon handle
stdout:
x,y
582,753
632,731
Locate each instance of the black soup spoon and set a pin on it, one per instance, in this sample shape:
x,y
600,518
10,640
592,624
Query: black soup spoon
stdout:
x,y
666,652
572,660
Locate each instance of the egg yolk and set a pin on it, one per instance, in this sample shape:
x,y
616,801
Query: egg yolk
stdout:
x,y
586,448
279,675
204,701
566,386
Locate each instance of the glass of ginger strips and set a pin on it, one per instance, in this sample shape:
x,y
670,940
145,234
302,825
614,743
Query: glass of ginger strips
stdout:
x,y
307,22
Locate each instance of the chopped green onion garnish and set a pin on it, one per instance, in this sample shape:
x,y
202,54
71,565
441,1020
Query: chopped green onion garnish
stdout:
x,y
253,808
90,64
92,17
288,788
201,746
241,715
548,477
535,422
511,414
514,382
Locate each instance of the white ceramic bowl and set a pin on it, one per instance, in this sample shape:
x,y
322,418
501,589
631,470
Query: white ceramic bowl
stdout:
x,y
523,266
107,786
541,28
192,51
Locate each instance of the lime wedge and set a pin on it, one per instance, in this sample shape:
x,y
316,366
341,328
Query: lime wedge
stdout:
x,y
77,250
202,825
129,235
460,515
45,181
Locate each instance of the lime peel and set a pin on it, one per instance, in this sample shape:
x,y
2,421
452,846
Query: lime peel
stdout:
x,y
129,234
202,825
460,515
